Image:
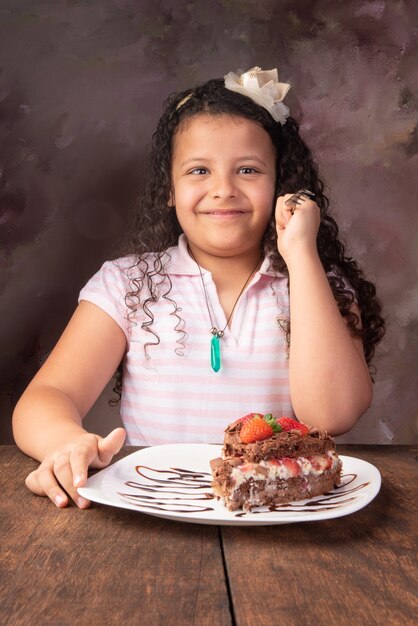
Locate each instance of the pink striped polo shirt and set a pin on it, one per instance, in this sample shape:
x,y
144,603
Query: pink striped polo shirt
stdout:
x,y
170,393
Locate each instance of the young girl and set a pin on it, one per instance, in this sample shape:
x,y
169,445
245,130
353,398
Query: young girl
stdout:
x,y
235,295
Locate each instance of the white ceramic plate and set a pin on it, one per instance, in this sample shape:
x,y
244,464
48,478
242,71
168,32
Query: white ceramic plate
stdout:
x,y
173,481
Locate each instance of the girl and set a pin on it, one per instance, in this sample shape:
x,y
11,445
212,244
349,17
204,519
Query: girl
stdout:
x,y
234,295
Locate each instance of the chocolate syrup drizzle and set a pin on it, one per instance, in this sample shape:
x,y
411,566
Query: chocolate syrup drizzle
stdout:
x,y
185,480
188,486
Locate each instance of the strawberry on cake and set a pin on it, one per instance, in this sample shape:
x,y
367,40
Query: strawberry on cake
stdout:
x,y
269,461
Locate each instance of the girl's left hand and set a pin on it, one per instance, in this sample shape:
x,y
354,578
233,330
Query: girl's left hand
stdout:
x,y
297,226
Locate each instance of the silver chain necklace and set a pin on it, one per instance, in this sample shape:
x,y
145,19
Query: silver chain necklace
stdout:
x,y
215,349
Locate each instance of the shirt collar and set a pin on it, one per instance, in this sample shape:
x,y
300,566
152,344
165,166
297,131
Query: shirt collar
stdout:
x,y
181,262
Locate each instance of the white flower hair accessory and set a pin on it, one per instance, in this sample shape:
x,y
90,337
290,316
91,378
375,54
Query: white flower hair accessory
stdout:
x,y
263,87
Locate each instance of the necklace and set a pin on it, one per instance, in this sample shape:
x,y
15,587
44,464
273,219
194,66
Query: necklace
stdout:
x,y
215,349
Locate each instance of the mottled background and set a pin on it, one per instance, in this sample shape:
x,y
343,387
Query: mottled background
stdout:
x,y
81,86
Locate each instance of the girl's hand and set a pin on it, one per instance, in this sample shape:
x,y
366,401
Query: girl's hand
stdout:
x,y
297,225
62,471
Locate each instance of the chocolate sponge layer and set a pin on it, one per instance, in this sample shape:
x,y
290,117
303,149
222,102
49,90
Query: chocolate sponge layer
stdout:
x,y
270,493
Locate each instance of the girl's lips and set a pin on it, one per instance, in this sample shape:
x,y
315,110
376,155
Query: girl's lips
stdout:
x,y
224,212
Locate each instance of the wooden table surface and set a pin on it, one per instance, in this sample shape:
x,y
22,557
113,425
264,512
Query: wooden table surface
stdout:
x,y
107,565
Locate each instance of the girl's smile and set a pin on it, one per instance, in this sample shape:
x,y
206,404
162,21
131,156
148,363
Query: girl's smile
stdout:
x,y
223,179
223,212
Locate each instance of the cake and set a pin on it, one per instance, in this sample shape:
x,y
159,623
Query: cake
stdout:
x,y
268,461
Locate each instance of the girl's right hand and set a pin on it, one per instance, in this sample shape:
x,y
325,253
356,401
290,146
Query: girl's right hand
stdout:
x,y
65,469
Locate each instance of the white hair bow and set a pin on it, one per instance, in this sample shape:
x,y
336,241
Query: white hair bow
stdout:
x,y
263,87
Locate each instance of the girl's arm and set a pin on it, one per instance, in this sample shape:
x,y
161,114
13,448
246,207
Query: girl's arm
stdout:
x,y
330,385
47,421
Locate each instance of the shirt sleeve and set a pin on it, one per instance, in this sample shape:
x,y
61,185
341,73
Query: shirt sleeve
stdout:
x,y
107,290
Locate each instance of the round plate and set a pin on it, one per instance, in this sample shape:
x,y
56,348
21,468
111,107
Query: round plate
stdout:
x,y
173,481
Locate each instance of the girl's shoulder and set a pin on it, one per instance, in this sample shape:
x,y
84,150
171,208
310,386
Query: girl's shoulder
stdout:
x,y
110,280
120,264
174,260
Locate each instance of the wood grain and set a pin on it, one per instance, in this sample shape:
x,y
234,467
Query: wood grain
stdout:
x,y
112,566
359,569
102,565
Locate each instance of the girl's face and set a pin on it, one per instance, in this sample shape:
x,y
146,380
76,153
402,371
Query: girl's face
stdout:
x,y
223,179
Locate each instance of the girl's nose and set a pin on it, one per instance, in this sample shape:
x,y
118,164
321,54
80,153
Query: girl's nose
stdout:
x,y
223,186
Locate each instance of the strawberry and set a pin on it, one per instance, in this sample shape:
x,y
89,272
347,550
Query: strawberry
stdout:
x,y
320,462
246,418
292,466
287,423
259,427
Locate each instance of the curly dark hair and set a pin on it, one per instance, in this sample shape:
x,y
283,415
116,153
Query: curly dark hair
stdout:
x,y
156,227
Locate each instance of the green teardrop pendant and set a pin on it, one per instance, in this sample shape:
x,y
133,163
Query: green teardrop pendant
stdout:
x,y
215,354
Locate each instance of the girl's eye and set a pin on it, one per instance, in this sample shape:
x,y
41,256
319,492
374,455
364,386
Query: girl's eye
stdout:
x,y
199,170
248,170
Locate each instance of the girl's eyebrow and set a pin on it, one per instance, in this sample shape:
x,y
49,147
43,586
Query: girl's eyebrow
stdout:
x,y
252,157
194,160
249,157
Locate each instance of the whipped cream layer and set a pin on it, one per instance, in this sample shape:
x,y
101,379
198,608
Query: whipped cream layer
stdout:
x,y
284,468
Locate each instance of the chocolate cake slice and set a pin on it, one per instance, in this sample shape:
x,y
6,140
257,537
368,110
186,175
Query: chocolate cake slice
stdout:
x,y
290,462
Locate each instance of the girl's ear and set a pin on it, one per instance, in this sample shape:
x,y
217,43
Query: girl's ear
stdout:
x,y
171,200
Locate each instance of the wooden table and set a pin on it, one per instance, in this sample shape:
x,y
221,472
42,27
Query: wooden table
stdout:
x,y
109,566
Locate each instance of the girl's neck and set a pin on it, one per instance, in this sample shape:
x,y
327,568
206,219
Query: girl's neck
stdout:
x,y
230,275
227,270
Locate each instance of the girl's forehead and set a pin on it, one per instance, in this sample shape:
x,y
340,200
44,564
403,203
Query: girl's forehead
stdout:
x,y
206,126
201,121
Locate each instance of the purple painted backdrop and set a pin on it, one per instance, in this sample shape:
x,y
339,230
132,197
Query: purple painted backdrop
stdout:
x,y
81,86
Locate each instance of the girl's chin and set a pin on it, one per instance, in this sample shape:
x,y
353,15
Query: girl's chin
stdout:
x,y
224,247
